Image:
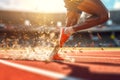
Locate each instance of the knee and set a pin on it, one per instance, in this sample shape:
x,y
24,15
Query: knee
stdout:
x,y
104,17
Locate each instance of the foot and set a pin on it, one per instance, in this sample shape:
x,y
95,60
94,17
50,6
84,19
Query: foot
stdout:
x,y
57,57
63,37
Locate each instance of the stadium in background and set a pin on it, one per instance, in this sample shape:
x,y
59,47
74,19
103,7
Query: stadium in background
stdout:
x,y
35,14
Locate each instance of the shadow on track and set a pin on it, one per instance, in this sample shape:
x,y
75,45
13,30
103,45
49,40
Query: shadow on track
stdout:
x,y
84,72
102,63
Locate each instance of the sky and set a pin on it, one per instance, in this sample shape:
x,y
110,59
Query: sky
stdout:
x,y
112,4
46,5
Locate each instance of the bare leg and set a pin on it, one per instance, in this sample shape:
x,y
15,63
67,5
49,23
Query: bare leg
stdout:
x,y
96,9
72,18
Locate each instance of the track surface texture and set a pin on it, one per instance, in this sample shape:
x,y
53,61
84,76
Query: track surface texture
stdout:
x,y
100,64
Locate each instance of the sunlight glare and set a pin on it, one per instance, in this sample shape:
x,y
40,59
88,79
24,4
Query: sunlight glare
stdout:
x,y
50,5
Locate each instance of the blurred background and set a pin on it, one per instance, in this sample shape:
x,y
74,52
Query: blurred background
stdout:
x,y
25,23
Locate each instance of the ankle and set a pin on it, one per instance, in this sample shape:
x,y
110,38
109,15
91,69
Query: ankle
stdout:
x,y
69,30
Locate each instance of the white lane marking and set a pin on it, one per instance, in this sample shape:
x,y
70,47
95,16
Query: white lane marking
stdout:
x,y
40,71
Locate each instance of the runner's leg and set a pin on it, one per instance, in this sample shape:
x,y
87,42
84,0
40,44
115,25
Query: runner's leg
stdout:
x,y
72,18
96,9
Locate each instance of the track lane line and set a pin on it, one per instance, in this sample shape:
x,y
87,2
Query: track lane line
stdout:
x,y
40,71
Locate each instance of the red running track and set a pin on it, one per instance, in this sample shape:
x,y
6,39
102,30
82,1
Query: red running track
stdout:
x,y
89,65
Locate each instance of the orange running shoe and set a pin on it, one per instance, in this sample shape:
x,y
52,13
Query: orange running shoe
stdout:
x,y
63,37
57,57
